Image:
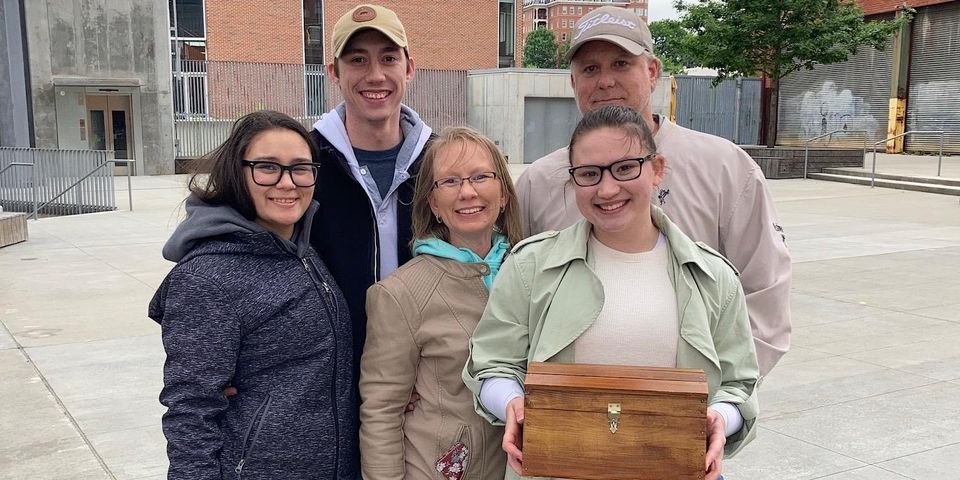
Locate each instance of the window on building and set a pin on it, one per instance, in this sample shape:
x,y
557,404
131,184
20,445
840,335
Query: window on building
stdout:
x,y
563,24
507,37
579,10
564,10
563,37
187,18
313,32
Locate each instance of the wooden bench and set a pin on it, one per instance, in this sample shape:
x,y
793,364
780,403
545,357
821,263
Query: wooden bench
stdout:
x,y
13,228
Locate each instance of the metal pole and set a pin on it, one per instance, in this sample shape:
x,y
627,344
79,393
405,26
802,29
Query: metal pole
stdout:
x,y
129,189
873,173
736,115
178,75
864,145
806,154
940,160
36,186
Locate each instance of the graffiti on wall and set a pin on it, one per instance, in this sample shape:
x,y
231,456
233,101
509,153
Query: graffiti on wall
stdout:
x,y
831,108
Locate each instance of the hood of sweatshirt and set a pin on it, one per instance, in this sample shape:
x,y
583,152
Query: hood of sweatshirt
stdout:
x,y
415,135
206,221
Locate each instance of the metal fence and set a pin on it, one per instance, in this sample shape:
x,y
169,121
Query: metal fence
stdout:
x,y
198,137
52,182
210,95
730,110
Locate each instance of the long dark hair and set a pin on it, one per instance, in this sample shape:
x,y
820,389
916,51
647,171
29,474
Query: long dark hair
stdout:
x,y
226,183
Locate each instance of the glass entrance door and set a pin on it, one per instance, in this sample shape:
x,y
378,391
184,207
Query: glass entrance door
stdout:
x,y
109,120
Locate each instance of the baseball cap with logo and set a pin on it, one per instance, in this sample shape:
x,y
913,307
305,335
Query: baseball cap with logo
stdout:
x,y
617,25
361,17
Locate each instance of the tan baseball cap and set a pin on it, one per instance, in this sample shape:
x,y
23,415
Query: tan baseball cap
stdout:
x,y
617,25
378,18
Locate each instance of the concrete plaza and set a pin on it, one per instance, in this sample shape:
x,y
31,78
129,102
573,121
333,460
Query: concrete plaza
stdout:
x,y
870,390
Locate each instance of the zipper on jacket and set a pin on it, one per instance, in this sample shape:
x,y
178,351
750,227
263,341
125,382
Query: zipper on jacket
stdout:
x,y
258,418
317,277
323,283
376,247
341,162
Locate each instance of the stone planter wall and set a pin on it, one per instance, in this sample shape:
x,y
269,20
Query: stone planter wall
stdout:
x,y
787,162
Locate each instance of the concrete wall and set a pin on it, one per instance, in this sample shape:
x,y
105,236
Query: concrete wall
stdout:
x,y
14,118
105,43
496,100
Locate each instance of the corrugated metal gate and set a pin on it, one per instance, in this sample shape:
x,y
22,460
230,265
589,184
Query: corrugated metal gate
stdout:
x,y
851,95
730,110
934,95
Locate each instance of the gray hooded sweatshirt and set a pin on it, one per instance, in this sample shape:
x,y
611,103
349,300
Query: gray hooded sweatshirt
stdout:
x,y
244,307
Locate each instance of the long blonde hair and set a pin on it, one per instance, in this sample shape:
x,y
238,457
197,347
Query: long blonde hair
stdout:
x,y
425,225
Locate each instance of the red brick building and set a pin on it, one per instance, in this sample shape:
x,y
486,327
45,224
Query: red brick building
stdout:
x,y
442,35
873,7
559,16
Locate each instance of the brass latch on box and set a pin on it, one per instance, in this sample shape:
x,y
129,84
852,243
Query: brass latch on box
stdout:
x,y
613,413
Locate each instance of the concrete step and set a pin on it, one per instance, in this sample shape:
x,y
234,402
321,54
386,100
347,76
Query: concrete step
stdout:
x,y
13,228
857,172
886,183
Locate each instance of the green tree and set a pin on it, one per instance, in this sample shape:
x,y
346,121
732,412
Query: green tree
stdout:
x,y
670,42
562,50
777,37
540,49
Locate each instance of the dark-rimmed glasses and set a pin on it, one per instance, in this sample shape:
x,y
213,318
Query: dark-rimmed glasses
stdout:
x,y
621,170
454,183
268,174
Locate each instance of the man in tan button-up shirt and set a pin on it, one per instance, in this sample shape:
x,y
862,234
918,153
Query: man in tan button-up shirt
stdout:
x,y
712,189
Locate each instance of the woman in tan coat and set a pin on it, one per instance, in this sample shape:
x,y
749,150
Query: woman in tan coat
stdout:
x,y
421,318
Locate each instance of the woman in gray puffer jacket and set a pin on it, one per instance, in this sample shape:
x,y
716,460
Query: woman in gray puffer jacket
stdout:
x,y
251,305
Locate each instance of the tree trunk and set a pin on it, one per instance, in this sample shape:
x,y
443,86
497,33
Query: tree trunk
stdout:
x,y
772,108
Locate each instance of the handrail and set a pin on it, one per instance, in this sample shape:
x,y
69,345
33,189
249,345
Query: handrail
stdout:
x,y
36,208
806,145
873,171
15,164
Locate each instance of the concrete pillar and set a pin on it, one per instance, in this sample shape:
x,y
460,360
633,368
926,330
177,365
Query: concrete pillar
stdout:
x,y
14,99
899,73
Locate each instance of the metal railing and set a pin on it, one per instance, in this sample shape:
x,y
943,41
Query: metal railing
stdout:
x,y
873,170
220,92
39,180
806,145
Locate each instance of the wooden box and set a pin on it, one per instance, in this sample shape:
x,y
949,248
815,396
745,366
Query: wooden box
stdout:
x,y
614,422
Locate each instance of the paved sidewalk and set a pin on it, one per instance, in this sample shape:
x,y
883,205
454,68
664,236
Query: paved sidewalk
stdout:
x,y
871,389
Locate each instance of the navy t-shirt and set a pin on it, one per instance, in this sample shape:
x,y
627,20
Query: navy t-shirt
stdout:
x,y
382,165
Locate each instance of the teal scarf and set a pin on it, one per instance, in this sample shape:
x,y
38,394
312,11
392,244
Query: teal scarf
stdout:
x,y
439,248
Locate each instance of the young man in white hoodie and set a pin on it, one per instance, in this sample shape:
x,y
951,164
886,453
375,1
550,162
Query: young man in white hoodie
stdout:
x,y
370,149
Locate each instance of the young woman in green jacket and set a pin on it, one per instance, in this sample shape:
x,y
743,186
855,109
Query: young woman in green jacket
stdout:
x,y
623,286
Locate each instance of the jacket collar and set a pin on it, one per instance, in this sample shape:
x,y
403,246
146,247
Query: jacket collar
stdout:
x,y
457,269
571,244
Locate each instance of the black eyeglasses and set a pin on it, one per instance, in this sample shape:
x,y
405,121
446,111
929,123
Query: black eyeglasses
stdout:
x,y
268,174
621,170
454,183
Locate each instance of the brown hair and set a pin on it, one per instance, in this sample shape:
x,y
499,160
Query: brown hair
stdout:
x,y
425,225
227,184
614,116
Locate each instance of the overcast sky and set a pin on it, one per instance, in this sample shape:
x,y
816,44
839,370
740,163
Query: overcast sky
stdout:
x,y
661,9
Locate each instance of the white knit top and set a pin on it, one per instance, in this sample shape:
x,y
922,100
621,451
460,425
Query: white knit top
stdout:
x,y
638,323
